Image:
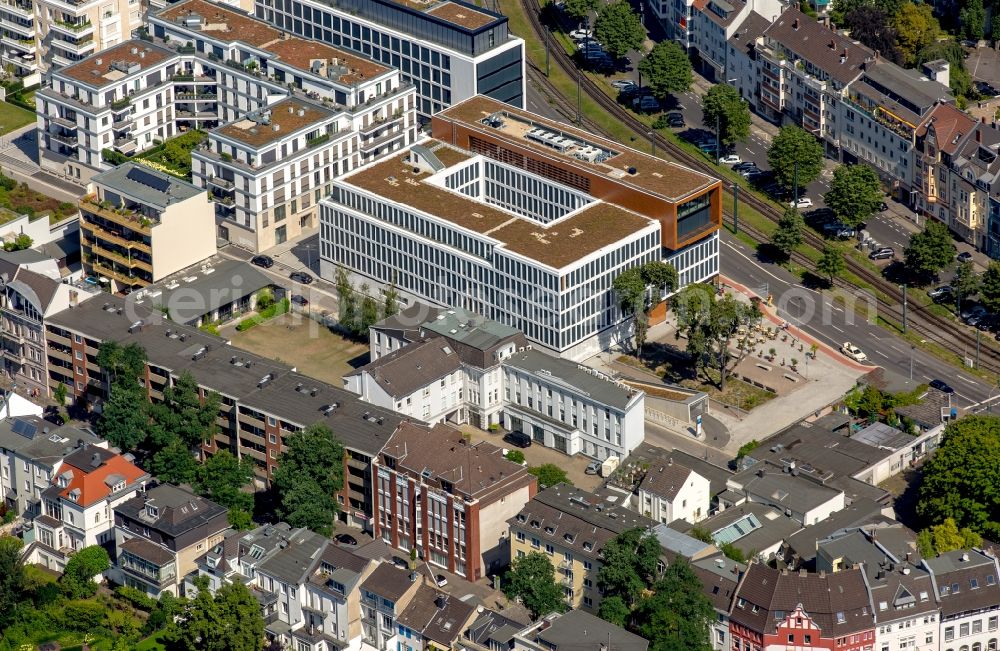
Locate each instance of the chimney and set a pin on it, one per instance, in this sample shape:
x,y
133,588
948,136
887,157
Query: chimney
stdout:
x,y
833,44
979,135
844,53
795,24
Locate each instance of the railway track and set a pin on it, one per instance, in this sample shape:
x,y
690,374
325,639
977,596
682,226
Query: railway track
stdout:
x,y
932,327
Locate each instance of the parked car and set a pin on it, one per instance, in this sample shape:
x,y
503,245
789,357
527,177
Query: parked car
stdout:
x,y
345,539
940,386
581,34
885,253
803,202
300,300
264,261
646,104
675,119
590,46
883,207
853,352
964,256
745,165
973,313
941,292
301,277
750,171
518,439
593,468
441,580
730,159
837,229
623,84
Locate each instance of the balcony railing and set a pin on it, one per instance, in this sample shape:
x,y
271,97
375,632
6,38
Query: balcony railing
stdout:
x,y
71,140
220,183
18,10
126,261
124,217
115,238
120,104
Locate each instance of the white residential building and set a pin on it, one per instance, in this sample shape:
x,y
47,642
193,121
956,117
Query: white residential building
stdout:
x,y
670,491
449,51
504,223
967,589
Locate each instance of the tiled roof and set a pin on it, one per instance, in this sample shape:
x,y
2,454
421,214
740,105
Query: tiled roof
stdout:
x,y
950,126
819,45
93,472
665,480
965,581
409,369
388,581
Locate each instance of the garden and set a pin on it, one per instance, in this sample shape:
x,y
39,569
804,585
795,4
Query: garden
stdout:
x,y
172,156
22,200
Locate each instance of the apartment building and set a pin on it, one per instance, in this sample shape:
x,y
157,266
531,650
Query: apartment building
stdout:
x,y
434,620
449,50
965,583
447,498
263,401
31,453
712,26
780,609
672,491
77,509
459,367
140,225
70,31
19,38
28,298
719,576
576,629
385,594
571,526
523,220
161,533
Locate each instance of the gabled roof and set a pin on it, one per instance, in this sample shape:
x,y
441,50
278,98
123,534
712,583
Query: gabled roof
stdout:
x,y
819,45
295,558
411,368
36,288
965,580
665,480
436,615
93,473
950,126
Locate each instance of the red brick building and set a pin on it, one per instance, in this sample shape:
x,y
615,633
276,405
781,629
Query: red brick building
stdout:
x,y
448,498
778,610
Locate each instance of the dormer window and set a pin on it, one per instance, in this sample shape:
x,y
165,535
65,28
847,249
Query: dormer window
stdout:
x,y
535,524
152,511
588,546
120,486
521,517
550,530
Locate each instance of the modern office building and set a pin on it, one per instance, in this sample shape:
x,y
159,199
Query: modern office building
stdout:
x,y
140,225
521,219
447,498
449,50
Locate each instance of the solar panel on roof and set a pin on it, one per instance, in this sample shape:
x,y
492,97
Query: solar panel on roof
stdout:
x,y
24,428
146,178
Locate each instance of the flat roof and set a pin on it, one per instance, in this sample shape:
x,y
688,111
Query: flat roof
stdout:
x,y
556,245
563,372
302,53
113,64
222,23
197,291
459,14
653,175
147,185
269,125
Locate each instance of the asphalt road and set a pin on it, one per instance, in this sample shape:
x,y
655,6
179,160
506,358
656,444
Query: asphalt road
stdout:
x,y
828,322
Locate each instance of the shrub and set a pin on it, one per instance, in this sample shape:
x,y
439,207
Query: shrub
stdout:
x,y
24,210
113,157
7,183
516,456
137,598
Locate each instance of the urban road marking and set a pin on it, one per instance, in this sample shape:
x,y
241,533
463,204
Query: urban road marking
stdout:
x,y
882,354
836,328
962,377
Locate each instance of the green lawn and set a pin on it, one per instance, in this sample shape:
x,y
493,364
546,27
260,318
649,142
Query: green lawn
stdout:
x,y
13,117
151,643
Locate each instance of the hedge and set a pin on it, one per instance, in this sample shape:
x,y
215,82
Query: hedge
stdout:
x,y
267,313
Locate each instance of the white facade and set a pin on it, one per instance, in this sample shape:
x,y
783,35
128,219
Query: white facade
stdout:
x,y
691,503
919,632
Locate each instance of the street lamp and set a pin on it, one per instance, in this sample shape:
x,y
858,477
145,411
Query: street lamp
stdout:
x,y
652,140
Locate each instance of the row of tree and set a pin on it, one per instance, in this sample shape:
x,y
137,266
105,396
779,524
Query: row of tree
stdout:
x,y
667,606
358,308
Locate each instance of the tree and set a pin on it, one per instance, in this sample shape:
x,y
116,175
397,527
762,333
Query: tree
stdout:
x,y
795,145
946,537
310,472
965,283
831,263
959,79
659,275
855,194
928,252
723,106
619,29
630,288
531,579
916,28
973,19
12,578
962,480
369,312
347,299
391,305
124,419
789,232
174,463
516,456
60,393
222,479
667,69
20,243
614,609
629,563
77,580
710,324
678,616
995,26
989,288
873,27
228,621
580,9
549,474
183,414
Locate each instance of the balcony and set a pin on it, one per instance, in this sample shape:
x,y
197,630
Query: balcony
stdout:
x,y
76,47
125,145
100,233
64,122
196,97
121,104
21,45
73,30
123,217
113,274
381,140
130,262
222,184
70,140
28,31
25,12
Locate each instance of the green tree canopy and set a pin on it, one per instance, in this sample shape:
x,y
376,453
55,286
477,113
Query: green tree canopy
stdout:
x,y
989,288
946,537
174,463
723,106
309,475
788,235
928,252
183,414
78,578
631,287
228,621
855,194
549,474
831,264
124,419
12,578
962,480
619,29
916,28
614,609
710,326
223,479
973,19
580,9
629,565
795,145
531,579
966,281
678,616
20,243
873,27
959,79
667,69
